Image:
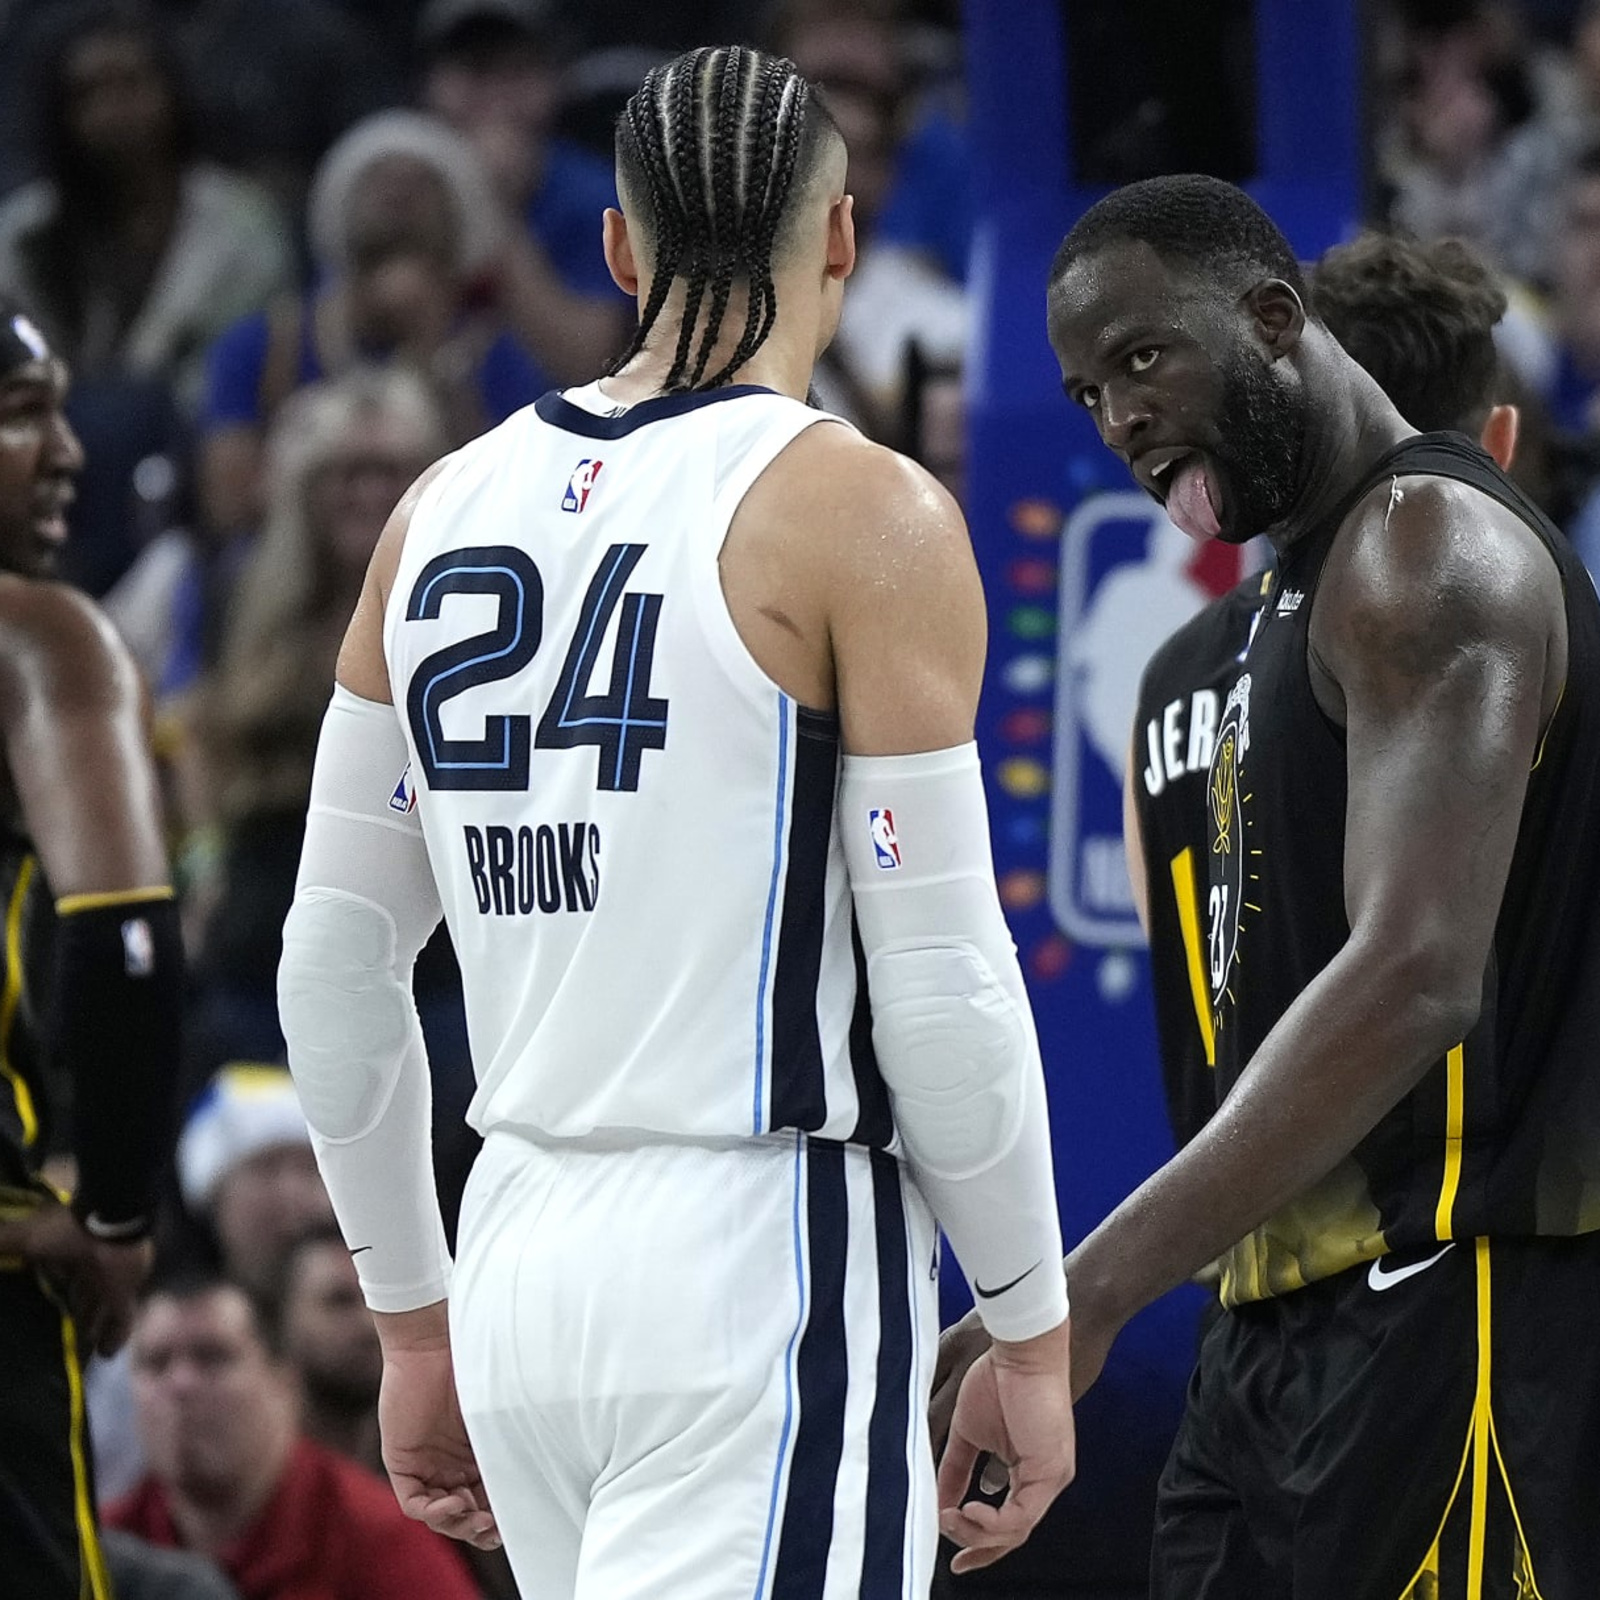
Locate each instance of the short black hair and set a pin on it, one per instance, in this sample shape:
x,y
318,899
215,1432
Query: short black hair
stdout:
x,y
189,1280
1186,217
1420,317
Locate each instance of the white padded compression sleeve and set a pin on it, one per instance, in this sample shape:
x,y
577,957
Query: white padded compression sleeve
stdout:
x,y
365,904
952,1028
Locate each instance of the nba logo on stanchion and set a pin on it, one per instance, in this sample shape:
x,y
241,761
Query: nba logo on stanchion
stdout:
x,y
885,845
1128,579
580,483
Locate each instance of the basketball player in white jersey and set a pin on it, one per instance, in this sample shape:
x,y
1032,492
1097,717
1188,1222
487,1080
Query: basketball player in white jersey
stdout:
x,y
664,692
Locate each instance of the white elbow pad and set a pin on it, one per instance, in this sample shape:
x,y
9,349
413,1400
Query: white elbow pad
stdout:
x,y
364,905
952,1029
344,1005
952,1041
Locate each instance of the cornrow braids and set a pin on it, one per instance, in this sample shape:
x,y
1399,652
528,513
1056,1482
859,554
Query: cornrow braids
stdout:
x,y
645,135
712,146
689,184
786,137
724,192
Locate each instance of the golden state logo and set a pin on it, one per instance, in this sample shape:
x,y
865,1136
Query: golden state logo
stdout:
x,y
1233,860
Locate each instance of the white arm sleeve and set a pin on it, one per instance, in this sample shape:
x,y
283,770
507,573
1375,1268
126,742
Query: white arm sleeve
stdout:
x,y
365,904
952,1027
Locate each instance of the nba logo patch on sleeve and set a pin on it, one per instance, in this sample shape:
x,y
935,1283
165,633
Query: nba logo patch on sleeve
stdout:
x,y
885,843
580,484
138,948
404,798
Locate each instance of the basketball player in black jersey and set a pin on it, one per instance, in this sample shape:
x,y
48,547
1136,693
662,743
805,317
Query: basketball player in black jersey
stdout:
x,y
89,997
1420,317
1401,954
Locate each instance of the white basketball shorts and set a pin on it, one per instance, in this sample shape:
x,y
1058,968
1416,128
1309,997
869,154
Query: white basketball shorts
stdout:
x,y
696,1372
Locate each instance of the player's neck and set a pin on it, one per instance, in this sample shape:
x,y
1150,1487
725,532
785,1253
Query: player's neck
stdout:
x,y
211,1516
1342,442
784,362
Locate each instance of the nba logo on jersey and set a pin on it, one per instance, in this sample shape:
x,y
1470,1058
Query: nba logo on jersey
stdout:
x,y
580,483
884,842
404,798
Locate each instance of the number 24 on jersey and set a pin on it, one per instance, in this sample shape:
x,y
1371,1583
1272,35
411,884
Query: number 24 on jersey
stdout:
x,y
622,723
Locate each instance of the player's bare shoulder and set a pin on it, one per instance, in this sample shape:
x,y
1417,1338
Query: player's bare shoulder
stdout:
x,y
58,648
1427,566
869,519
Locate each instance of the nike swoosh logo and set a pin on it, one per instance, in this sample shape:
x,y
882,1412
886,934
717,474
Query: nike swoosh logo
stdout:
x,y
358,1249
1378,1280
989,1294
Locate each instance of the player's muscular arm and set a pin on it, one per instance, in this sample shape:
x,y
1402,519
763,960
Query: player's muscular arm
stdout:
x,y
1441,631
365,904
904,606
951,1025
72,718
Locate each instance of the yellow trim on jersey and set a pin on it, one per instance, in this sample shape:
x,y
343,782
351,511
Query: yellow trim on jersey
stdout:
x,y
1555,710
95,1585
11,997
1189,922
1533,1590
1478,1525
97,899
1482,1448
1454,1121
1430,1562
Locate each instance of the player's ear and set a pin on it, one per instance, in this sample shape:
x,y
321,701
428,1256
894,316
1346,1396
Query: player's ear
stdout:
x,y
1499,435
841,237
1279,313
618,246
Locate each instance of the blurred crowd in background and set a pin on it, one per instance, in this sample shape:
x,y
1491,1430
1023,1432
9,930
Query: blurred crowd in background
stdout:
x,y
296,249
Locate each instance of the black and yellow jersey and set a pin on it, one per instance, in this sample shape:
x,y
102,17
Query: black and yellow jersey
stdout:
x,y
1501,1137
1180,701
31,1102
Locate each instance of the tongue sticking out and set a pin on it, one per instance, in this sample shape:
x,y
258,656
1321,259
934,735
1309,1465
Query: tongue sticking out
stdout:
x,y
1189,500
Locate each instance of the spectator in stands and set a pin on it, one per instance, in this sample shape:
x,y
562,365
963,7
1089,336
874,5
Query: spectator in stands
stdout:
x,y
342,453
898,295
132,251
404,226
251,1188
1571,378
492,69
232,1477
1466,153
245,1167
277,81
330,1341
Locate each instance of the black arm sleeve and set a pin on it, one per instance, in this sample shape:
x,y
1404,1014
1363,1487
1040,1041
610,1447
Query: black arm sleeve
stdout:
x,y
119,998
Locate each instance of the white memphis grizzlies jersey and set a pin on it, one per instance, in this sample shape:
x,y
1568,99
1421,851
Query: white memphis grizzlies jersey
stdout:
x,y
632,827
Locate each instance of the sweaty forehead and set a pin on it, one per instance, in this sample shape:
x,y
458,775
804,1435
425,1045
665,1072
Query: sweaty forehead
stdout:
x,y
1109,291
